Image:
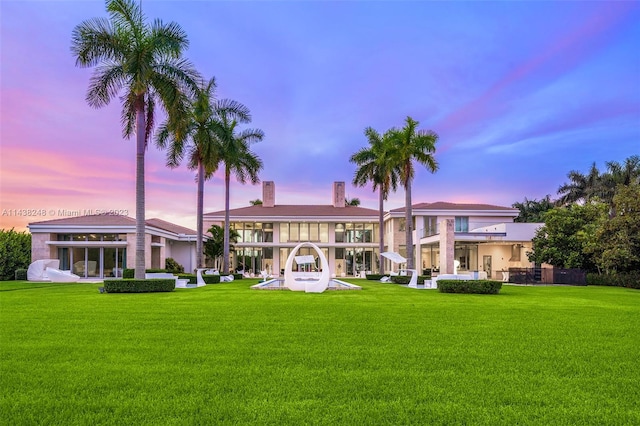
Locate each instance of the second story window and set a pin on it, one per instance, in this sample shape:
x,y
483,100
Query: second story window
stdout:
x,y
462,224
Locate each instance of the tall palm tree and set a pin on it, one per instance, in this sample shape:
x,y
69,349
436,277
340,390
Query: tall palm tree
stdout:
x,y
374,167
533,211
626,174
409,144
581,187
141,64
197,137
239,160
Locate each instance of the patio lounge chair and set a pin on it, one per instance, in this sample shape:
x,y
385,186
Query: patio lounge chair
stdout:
x,y
58,276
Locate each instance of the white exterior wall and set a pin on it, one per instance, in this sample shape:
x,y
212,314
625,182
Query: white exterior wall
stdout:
x,y
182,252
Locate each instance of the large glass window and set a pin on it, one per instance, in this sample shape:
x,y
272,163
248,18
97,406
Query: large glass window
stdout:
x,y
300,232
304,231
462,224
284,232
268,232
356,232
93,262
430,225
323,232
78,259
467,255
294,232
65,261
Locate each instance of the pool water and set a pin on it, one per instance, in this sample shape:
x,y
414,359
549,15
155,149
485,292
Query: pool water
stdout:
x,y
278,284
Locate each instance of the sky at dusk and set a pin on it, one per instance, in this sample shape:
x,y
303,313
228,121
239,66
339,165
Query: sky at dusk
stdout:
x,y
520,93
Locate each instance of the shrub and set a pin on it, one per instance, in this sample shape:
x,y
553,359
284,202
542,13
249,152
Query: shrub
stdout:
x,y
130,285
469,286
374,277
21,274
238,276
400,279
404,279
130,273
172,266
211,279
15,252
193,278
622,279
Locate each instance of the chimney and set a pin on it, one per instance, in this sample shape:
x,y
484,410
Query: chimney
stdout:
x,y
338,194
268,194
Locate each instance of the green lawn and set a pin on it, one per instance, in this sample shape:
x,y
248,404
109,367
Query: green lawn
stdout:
x,y
225,354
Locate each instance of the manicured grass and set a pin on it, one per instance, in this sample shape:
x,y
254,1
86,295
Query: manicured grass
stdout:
x,y
225,354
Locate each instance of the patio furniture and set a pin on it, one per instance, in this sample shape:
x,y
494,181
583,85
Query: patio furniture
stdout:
x,y
58,276
37,270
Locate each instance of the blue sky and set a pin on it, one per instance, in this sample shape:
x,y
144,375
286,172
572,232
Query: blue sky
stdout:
x,y
520,93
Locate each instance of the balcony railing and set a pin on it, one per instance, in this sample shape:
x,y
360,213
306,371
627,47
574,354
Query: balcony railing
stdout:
x,y
473,228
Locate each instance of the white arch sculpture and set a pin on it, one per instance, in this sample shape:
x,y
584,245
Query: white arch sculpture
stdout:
x,y
309,285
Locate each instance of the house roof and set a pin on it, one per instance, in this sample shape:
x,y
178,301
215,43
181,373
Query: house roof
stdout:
x,y
171,227
295,210
115,220
91,220
443,205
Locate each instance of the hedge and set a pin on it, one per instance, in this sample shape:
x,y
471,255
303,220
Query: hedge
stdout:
x,y
21,275
238,276
378,277
469,286
374,277
622,279
15,252
193,278
130,285
130,273
404,279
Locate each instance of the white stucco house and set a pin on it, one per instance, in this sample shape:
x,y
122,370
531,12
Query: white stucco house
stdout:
x,y
481,237
101,246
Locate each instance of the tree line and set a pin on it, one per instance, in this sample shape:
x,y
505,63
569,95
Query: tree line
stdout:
x,y
594,224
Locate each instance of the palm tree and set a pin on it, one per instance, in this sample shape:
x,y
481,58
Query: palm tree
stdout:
x,y
581,188
409,144
214,247
352,202
533,211
141,64
239,160
625,174
374,166
197,134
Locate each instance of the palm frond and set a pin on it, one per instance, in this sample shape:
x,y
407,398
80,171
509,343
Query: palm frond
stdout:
x,y
105,83
233,110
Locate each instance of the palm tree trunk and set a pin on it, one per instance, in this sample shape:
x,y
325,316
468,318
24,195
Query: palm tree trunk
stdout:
x,y
225,252
140,213
199,214
381,231
409,224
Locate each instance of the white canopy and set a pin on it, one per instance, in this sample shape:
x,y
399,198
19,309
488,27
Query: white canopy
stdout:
x,y
305,260
394,257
